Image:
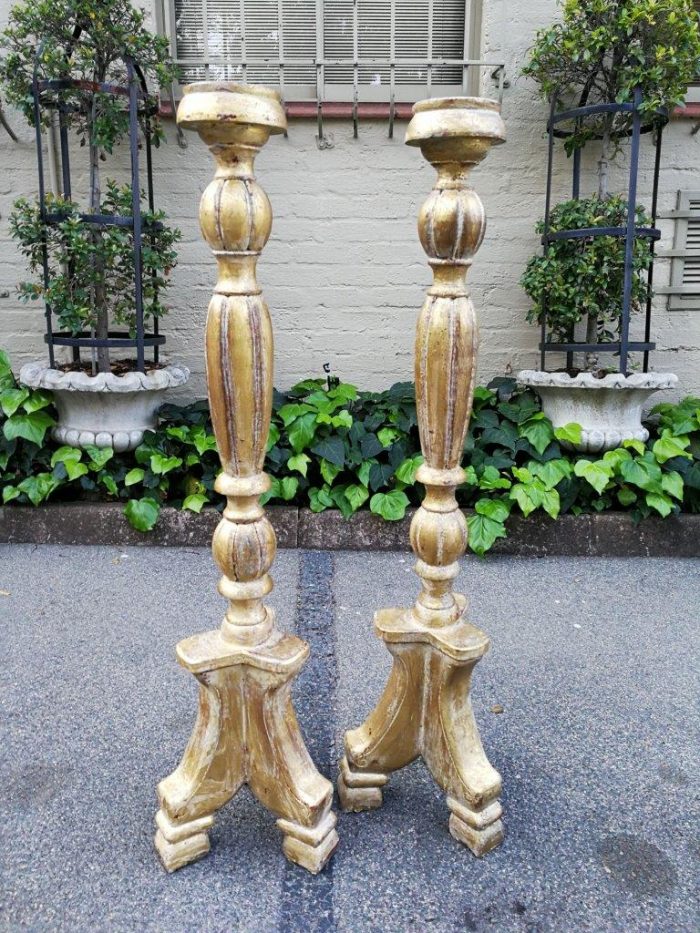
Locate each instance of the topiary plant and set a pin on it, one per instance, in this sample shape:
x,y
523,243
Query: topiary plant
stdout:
x,y
602,50
581,279
87,43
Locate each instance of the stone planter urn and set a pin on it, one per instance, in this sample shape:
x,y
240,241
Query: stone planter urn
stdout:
x,y
105,410
609,410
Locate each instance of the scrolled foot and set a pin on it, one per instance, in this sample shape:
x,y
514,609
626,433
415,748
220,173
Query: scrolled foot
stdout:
x,y
178,844
359,790
479,830
310,847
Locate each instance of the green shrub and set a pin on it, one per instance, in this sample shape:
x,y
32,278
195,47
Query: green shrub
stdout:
x,y
336,447
582,279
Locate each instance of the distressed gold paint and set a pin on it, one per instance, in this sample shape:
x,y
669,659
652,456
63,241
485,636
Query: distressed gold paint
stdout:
x,y
425,710
246,730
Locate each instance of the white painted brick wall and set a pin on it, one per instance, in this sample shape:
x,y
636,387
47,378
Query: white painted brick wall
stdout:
x,y
344,273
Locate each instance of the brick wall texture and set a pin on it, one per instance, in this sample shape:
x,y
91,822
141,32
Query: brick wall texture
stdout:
x,y
344,273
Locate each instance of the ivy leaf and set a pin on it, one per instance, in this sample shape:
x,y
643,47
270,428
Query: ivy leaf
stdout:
x,y
37,400
11,399
497,509
552,472
9,493
668,447
32,427
329,471
285,488
300,463
160,464
387,436
672,485
6,377
569,434
550,502
109,483
272,437
470,477
134,476
597,474
642,473
626,496
99,456
332,449
632,443
39,487
407,469
142,514
289,413
390,505
379,475
538,430
370,446
342,420
483,532
302,432
194,502
364,470
320,499
202,441
660,503
492,479
528,497
356,495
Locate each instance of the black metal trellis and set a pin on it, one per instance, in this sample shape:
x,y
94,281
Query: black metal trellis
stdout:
x,y
139,102
630,231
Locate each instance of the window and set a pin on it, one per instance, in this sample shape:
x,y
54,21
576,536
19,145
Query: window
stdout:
x,y
330,49
684,291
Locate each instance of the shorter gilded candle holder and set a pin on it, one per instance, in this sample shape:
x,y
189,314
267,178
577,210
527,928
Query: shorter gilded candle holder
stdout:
x,y
246,730
425,710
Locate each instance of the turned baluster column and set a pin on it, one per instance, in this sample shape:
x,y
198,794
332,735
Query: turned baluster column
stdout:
x,y
425,709
246,730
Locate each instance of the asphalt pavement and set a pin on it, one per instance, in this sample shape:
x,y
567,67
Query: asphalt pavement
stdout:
x,y
587,705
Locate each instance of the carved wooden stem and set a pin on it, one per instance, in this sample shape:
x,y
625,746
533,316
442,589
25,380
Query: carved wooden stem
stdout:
x,y
425,709
246,731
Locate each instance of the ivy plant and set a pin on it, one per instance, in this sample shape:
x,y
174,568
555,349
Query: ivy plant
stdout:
x,y
334,447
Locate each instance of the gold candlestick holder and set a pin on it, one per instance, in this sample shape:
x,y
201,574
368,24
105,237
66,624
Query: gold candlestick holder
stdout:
x,y
425,710
246,730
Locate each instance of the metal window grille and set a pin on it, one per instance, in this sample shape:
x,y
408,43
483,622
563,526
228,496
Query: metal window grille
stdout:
x,y
684,290
332,50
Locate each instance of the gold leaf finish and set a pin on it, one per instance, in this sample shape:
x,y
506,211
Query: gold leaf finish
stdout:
x,y
246,730
425,710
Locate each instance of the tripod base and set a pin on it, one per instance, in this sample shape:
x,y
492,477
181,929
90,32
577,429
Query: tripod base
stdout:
x,y
425,711
246,733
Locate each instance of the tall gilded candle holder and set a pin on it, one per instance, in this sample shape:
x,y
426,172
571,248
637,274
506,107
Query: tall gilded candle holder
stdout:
x,y
246,730
425,710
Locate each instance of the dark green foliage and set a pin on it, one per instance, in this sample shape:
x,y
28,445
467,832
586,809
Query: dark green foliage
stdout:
x,y
601,50
109,31
581,277
514,459
83,262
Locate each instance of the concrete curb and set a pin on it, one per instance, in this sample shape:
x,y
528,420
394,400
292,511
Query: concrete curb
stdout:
x,y
609,534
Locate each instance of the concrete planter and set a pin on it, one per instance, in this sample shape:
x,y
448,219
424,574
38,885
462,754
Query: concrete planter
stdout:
x,y
609,410
104,410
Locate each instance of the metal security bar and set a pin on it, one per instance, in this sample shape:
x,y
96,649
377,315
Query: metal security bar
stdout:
x,y
356,51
